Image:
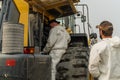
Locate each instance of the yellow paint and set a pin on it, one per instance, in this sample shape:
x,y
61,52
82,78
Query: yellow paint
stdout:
x,y
90,77
69,30
23,8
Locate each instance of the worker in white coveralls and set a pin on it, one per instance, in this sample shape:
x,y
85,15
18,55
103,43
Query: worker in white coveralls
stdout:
x,y
104,61
57,44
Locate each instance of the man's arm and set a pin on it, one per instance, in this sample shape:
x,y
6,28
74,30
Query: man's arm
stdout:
x,y
51,41
68,37
94,62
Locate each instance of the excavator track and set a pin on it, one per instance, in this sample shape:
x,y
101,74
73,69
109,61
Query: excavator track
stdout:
x,y
73,65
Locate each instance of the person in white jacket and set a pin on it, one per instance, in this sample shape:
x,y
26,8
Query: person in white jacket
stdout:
x,y
104,61
57,44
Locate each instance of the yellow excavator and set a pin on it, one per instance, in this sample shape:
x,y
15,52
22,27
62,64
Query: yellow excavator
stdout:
x,y
24,31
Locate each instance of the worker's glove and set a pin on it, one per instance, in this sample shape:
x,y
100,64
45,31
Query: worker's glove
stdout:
x,y
44,53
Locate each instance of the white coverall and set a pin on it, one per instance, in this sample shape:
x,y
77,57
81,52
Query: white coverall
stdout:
x,y
57,44
104,61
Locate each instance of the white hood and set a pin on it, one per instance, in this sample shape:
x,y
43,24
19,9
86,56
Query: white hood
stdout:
x,y
115,41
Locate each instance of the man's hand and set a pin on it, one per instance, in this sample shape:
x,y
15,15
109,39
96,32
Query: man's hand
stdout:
x,y
44,53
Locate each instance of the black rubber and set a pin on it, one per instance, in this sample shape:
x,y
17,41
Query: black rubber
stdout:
x,y
74,64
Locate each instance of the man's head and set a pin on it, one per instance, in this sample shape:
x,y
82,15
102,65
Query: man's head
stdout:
x,y
105,29
53,23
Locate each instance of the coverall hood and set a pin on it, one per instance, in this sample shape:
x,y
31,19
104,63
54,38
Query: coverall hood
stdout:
x,y
115,41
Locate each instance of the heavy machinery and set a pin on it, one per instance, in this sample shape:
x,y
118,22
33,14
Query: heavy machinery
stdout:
x,y
24,32
74,63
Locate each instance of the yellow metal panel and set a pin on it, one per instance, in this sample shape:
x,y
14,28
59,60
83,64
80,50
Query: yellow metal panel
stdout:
x,y
53,8
23,8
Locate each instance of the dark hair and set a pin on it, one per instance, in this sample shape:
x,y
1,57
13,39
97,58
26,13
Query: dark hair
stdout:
x,y
107,28
109,32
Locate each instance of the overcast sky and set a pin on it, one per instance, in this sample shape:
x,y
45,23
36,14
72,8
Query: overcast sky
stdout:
x,y
100,10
